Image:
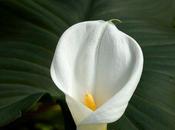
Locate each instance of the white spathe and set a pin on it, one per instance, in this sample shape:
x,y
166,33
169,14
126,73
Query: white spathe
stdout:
x,y
96,57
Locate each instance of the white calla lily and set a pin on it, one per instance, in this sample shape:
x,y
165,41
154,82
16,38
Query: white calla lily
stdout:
x,y
95,58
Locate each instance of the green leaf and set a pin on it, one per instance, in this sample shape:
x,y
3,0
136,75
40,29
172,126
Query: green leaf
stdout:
x,y
26,50
30,30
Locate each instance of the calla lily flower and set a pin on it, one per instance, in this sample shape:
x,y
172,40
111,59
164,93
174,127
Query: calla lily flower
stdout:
x,y
98,68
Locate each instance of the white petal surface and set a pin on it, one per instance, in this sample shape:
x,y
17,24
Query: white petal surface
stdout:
x,y
96,57
73,65
118,73
78,110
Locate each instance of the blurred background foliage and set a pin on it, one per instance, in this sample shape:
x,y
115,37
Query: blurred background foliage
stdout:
x,y
46,114
30,30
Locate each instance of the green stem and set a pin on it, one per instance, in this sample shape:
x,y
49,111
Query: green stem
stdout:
x,y
92,127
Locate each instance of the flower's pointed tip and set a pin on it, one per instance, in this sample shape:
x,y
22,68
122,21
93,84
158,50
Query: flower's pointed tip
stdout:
x,y
114,20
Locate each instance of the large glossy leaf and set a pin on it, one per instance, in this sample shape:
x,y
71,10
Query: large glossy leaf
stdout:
x,y
29,33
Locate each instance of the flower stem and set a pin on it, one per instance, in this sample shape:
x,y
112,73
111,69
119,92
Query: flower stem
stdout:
x,y
92,127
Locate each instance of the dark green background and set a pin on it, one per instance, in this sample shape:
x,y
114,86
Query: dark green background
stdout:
x,y
29,32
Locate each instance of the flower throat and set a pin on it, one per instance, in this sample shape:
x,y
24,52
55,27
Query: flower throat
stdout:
x,y
89,101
